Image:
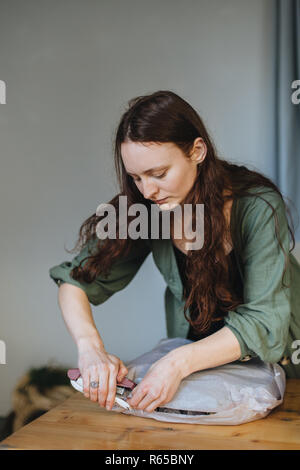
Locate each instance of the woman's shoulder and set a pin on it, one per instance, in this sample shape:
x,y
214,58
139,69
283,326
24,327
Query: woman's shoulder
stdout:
x,y
258,200
258,212
259,193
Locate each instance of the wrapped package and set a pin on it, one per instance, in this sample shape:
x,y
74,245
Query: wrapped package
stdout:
x,y
234,393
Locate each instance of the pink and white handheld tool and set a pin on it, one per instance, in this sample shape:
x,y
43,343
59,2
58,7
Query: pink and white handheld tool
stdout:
x,y
124,388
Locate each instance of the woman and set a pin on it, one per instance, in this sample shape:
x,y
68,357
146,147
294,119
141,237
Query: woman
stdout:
x,y
240,290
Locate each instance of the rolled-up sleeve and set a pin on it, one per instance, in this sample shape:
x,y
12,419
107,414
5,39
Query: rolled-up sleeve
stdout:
x,y
261,322
121,273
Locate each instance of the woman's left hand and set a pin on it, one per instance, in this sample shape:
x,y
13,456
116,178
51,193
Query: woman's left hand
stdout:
x,y
159,384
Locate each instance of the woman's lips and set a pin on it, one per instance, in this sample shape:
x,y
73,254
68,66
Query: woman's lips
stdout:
x,y
161,201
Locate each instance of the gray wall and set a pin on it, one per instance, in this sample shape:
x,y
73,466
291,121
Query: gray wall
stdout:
x,y
70,66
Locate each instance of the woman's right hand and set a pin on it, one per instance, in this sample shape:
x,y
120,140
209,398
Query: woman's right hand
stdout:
x,y
96,365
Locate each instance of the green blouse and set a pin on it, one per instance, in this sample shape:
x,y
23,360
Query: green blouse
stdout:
x,y
268,321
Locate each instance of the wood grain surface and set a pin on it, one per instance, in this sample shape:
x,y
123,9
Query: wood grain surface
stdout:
x,y
79,423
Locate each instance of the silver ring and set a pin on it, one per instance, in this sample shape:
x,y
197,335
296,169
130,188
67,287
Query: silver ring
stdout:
x,y
94,384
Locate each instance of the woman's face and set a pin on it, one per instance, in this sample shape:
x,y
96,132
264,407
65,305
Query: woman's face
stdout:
x,y
161,170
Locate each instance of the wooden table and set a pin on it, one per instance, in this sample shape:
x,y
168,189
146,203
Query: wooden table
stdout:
x,y
79,423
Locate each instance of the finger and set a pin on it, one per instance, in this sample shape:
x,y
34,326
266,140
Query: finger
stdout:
x,y
102,390
137,395
123,371
147,401
112,388
94,377
150,408
86,383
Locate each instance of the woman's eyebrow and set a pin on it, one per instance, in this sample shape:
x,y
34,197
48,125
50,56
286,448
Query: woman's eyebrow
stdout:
x,y
151,170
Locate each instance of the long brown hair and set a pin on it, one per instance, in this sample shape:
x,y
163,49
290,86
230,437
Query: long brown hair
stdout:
x,y
165,117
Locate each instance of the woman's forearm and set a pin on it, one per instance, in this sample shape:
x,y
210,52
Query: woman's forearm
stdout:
x,y
77,314
213,351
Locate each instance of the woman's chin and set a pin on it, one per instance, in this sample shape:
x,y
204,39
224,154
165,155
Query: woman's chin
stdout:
x,y
167,206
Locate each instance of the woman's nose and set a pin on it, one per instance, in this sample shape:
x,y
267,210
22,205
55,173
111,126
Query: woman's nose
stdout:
x,y
149,190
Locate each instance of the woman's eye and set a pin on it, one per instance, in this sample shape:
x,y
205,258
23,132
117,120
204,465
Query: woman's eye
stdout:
x,y
160,176
154,176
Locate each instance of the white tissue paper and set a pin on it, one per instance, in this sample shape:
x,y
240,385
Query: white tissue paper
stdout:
x,y
234,393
